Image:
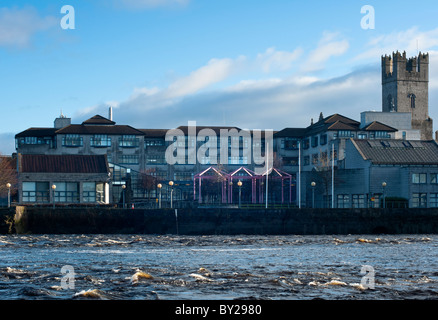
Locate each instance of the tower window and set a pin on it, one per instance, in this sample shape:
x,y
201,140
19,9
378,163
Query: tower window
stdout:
x,y
412,97
391,104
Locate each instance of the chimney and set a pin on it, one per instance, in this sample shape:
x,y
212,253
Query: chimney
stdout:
x,y
110,113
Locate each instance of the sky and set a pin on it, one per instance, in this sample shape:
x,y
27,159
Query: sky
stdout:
x,y
161,63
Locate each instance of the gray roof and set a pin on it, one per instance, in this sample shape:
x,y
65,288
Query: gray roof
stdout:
x,y
397,152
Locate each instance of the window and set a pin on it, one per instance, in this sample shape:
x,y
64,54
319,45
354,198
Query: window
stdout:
x,y
343,201
361,135
183,176
358,201
154,143
419,178
434,178
66,192
89,192
315,157
72,140
306,144
381,135
289,144
323,139
129,141
100,140
36,192
155,159
344,133
412,97
129,159
314,141
433,200
419,200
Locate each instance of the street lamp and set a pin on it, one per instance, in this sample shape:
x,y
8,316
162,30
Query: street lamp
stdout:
x,y
159,186
171,194
383,192
8,185
123,195
53,194
239,183
313,184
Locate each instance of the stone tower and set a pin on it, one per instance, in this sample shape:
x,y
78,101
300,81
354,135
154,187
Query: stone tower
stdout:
x,y
405,88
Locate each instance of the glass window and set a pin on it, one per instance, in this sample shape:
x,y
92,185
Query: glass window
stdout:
x,y
358,201
89,192
100,140
433,200
129,141
419,200
434,178
129,159
67,192
343,201
419,178
72,140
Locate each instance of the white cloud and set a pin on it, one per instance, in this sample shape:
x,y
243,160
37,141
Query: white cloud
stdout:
x,y
409,40
18,26
272,60
330,45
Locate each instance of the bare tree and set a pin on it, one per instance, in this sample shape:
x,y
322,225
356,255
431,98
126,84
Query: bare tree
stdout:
x,y
147,182
8,174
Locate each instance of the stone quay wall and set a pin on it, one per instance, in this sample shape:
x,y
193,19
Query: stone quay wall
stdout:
x,y
220,221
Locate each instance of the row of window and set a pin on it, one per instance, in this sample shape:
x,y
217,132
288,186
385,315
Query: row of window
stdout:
x,y
65,192
419,200
421,178
293,143
100,140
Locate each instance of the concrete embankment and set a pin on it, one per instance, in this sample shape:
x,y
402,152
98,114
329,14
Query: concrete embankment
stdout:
x,y
223,221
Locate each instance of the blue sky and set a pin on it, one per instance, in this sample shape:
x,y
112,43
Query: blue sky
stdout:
x,y
162,63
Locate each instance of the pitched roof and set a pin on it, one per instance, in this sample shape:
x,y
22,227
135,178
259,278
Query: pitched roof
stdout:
x,y
99,129
291,132
339,125
99,120
154,133
378,126
34,163
398,152
337,117
37,132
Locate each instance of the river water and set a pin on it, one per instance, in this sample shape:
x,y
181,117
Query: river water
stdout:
x,y
134,267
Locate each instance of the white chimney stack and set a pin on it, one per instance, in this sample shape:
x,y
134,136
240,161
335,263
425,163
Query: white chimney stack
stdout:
x,y
110,113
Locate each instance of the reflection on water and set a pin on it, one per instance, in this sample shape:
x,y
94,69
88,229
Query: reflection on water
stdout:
x,y
131,267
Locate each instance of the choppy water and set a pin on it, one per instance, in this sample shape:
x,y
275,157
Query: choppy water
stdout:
x,y
131,267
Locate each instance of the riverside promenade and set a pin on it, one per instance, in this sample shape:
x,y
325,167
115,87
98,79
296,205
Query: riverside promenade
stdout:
x,y
220,221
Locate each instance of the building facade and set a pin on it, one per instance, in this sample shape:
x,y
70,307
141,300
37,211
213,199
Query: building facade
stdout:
x,y
317,165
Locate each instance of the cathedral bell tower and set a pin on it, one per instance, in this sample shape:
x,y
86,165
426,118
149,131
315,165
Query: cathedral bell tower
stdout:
x,y
405,88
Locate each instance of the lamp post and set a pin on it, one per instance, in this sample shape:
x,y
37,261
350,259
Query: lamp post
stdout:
x,y
240,191
313,184
123,195
8,185
383,192
159,197
171,194
53,194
